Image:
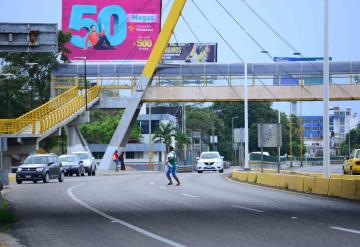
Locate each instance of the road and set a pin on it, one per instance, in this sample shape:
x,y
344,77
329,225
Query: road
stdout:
x,y
139,209
335,169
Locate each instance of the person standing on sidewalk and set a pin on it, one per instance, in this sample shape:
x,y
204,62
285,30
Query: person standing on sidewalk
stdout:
x,y
115,158
122,161
171,166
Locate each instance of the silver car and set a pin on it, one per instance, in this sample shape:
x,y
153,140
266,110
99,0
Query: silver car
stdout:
x,y
88,162
72,165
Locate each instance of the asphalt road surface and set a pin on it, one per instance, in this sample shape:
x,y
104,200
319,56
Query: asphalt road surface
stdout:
x,y
139,209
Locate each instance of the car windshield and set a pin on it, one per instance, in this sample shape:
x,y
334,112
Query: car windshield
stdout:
x,y
68,159
358,154
36,160
209,156
83,156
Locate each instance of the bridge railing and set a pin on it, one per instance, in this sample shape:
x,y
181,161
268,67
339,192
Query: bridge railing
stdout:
x,y
66,111
12,126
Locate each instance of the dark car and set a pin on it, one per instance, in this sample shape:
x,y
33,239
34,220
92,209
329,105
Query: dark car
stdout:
x,y
72,164
40,167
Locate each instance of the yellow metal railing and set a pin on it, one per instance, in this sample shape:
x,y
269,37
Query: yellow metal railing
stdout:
x,y
49,114
12,126
64,112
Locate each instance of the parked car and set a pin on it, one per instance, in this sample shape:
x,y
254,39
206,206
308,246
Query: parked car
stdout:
x,y
88,162
40,167
72,165
210,161
351,165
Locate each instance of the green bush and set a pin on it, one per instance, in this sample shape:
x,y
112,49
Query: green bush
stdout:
x,y
6,217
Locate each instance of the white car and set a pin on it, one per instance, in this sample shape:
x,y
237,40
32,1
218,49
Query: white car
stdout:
x,y
88,162
210,161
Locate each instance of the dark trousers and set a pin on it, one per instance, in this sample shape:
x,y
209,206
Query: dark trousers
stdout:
x,y
103,43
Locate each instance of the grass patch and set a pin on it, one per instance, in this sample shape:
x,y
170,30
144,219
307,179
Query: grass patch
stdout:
x,y
6,217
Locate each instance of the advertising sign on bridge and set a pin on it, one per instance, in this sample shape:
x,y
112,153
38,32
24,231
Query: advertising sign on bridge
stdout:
x,y
111,29
191,53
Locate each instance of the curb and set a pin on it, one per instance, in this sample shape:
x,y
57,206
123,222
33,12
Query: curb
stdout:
x,y
342,186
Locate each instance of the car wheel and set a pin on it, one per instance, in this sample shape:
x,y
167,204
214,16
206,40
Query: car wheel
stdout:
x,y
78,172
200,171
18,181
61,177
344,172
34,181
94,172
221,171
90,172
46,178
351,171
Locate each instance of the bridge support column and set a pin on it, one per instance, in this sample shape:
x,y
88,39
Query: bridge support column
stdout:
x,y
5,167
75,140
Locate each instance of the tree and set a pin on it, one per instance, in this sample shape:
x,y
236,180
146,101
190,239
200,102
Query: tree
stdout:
x,y
164,133
354,141
182,140
30,85
102,127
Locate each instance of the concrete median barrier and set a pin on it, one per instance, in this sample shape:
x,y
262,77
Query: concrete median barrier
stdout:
x,y
335,187
349,188
343,186
321,186
309,184
252,177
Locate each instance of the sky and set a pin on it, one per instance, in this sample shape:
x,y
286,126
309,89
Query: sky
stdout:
x,y
300,22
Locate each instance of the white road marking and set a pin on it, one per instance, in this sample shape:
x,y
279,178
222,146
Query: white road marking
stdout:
x,y
249,209
344,229
294,218
121,222
151,183
188,195
162,187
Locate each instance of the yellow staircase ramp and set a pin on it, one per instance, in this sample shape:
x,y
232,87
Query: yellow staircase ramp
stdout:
x,y
66,111
13,126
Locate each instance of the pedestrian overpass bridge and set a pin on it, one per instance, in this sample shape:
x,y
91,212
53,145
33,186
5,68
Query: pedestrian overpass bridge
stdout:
x,y
114,86
285,81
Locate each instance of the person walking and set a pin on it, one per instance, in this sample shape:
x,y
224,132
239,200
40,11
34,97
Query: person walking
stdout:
x,y
115,158
171,166
122,161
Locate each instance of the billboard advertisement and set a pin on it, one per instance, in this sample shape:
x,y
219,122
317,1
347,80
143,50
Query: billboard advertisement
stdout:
x,y
111,29
191,53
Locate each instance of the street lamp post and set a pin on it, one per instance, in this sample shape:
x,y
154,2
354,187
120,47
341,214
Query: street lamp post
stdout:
x,y
232,136
31,65
85,81
326,138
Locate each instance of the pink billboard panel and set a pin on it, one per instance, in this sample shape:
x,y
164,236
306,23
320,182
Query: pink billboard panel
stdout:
x,y
111,29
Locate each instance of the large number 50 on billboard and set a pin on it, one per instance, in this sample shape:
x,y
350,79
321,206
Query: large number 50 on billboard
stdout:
x,y
111,29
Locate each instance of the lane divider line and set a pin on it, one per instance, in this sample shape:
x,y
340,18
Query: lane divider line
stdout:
x,y
249,209
344,229
188,195
121,222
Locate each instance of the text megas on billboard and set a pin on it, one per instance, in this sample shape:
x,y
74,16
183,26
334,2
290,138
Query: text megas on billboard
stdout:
x,y
111,29
191,53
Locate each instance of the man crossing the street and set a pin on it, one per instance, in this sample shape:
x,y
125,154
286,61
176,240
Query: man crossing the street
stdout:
x,y
171,166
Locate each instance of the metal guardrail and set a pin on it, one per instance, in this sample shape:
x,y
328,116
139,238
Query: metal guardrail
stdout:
x,y
12,126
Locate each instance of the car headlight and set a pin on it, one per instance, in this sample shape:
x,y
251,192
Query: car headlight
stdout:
x,y
19,169
39,169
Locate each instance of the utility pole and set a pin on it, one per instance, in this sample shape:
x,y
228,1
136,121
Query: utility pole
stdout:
x,y
85,81
326,139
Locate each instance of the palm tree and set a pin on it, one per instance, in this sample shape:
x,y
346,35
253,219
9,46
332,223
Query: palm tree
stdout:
x,y
164,134
182,140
